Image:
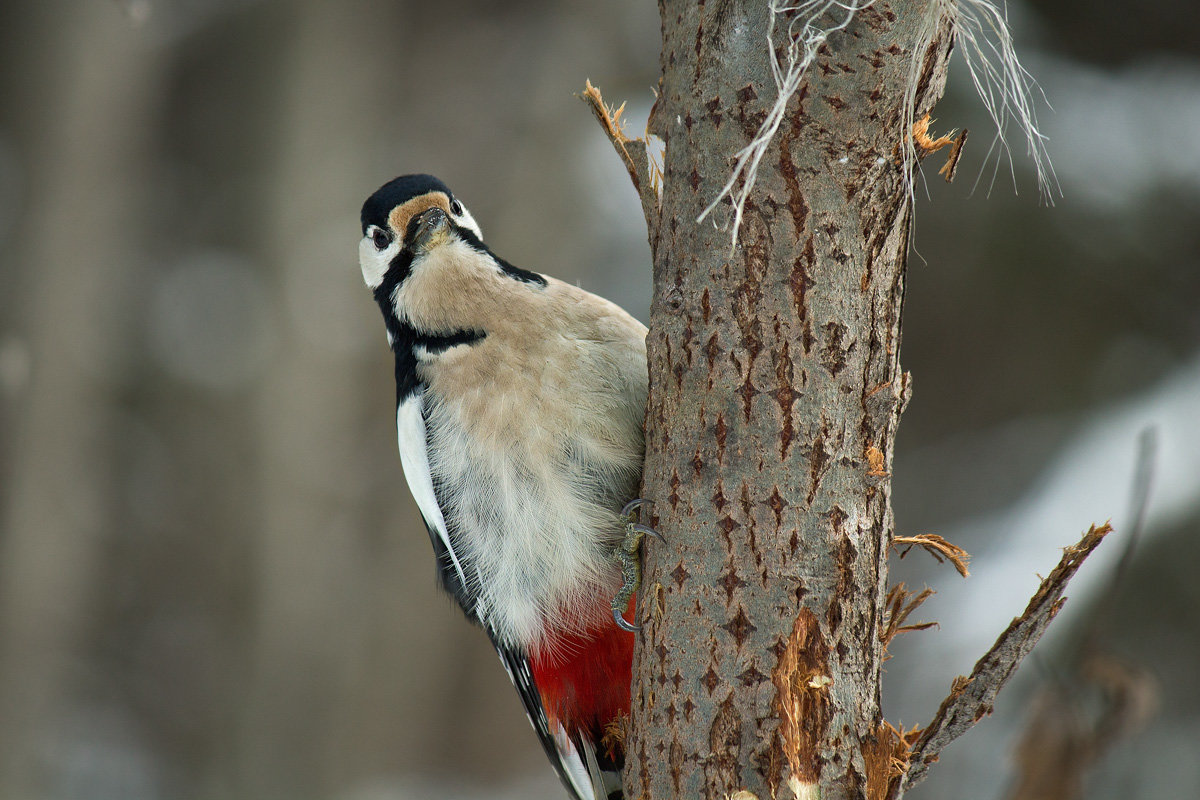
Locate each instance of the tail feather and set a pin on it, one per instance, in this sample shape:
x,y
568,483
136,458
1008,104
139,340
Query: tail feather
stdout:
x,y
606,784
576,768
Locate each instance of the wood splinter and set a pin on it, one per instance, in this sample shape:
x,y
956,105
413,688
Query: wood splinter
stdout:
x,y
926,145
645,174
937,547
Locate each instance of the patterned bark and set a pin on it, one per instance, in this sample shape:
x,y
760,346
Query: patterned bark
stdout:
x,y
776,389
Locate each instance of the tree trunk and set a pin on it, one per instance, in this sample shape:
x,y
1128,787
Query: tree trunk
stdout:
x,y
775,394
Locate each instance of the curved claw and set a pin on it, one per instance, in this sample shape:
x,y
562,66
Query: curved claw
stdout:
x,y
643,529
628,552
623,624
632,505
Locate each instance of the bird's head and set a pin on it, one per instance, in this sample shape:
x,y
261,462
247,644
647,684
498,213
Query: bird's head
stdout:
x,y
423,257
404,220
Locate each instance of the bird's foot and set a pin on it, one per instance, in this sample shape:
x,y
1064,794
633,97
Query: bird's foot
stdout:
x,y
629,553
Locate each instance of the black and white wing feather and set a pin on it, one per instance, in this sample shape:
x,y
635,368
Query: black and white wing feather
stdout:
x,y
559,748
414,457
562,751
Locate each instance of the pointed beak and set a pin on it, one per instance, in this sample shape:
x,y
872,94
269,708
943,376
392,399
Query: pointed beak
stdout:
x,y
431,229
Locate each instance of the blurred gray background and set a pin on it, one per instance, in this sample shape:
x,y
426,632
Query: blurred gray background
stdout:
x,y
213,583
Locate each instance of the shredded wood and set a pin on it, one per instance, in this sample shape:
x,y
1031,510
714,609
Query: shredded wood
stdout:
x,y
656,603
937,547
1009,93
613,739
875,462
926,144
899,606
802,697
645,174
950,168
885,759
971,699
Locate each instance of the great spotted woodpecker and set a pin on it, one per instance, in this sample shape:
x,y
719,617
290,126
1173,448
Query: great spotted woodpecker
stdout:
x,y
519,405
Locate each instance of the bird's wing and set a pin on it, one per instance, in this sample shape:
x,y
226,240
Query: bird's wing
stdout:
x,y
410,431
559,747
573,760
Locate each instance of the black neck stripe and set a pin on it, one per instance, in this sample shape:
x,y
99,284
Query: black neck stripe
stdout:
x,y
406,340
438,342
398,270
523,275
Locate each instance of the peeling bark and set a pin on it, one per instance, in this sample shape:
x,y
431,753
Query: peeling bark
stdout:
x,y
776,390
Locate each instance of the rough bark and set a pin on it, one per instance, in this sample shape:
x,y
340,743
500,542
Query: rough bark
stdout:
x,y
776,389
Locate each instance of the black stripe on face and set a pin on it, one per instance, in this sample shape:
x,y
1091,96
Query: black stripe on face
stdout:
x,y
398,270
402,266
516,273
437,343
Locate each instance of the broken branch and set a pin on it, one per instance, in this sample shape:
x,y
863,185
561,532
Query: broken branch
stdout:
x,y
633,152
971,699
937,547
950,168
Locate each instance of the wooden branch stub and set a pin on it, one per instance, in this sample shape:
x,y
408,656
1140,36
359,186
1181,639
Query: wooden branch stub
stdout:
x,y
633,152
971,698
937,547
950,168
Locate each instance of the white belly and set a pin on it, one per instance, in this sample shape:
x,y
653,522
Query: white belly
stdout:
x,y
533,523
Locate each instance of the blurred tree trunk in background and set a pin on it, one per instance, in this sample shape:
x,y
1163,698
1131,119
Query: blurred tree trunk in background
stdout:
x,y
776,390
310,721
93,91
308,616
253,610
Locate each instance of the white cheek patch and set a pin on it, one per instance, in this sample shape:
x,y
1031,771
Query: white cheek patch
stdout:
x,y
374,263
467,221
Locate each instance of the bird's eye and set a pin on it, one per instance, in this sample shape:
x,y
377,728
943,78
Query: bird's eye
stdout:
x,y
456,208
380,238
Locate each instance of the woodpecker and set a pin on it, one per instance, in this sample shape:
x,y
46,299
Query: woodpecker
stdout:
x,y
519,406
